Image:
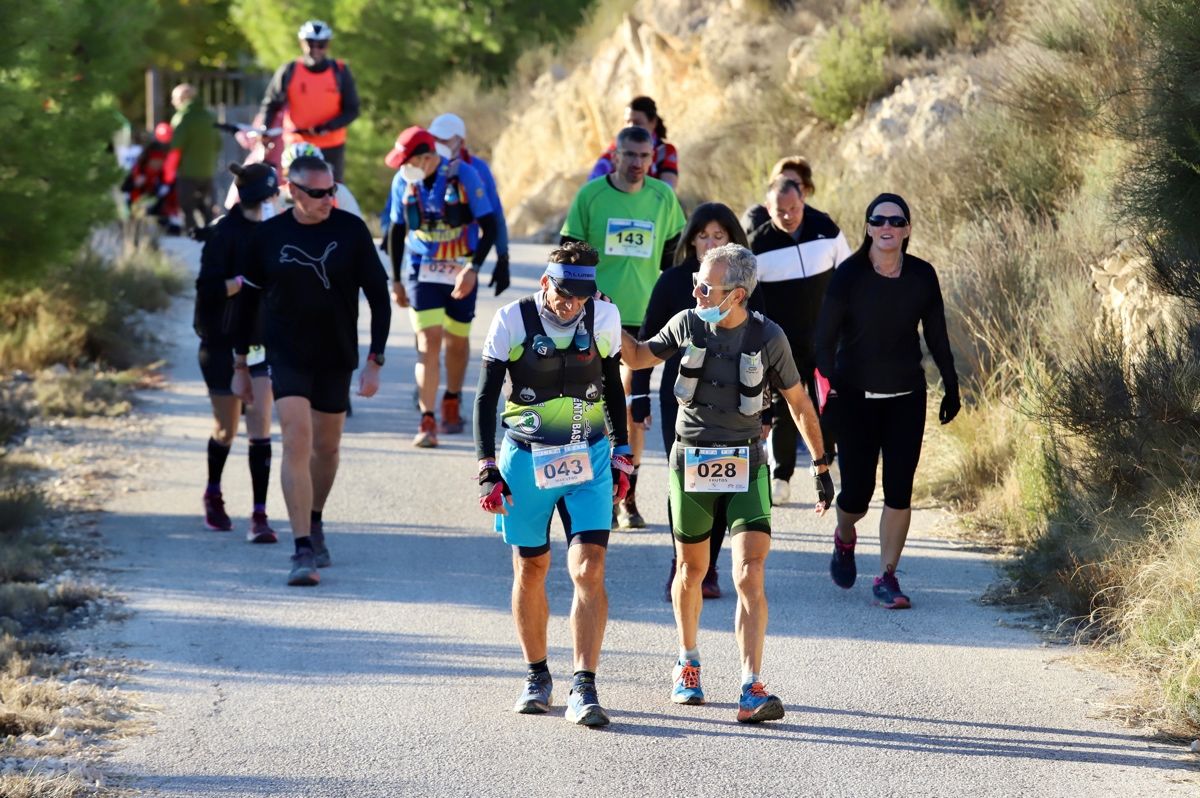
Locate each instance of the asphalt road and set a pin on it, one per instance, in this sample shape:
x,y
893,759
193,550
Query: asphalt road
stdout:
x,y
396,675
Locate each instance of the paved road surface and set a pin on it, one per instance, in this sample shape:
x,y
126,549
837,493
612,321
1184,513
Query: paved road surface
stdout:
x,y
395,676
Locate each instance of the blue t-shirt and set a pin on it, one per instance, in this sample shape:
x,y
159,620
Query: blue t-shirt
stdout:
x,y
489,185
429,212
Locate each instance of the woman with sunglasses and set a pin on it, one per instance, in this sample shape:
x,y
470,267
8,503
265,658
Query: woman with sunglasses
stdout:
x,y
712,225
867,345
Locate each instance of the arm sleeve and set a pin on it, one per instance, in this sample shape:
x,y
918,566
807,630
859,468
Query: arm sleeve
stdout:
x,y
487,237
485,173
396,233
933,323
373,281
349,110
614,400
668,254
829,325
248,301
491,381
275,97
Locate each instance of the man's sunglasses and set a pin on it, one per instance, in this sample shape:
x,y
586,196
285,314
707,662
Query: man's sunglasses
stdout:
x,y
317,193
705,288
562,292
894,221
316,45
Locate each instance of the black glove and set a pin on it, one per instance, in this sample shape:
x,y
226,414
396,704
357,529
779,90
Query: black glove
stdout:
x,y
500,275
824,485
950,407
492,488
639,409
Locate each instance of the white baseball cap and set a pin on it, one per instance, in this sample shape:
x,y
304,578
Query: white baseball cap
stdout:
x,y
447,126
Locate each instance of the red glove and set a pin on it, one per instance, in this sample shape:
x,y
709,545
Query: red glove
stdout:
x,y
493,491
622,469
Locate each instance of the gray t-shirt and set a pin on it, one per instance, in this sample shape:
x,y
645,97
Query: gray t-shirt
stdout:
x,y
701,421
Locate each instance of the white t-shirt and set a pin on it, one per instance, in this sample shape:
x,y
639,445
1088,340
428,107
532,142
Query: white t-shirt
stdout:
x,y
508,330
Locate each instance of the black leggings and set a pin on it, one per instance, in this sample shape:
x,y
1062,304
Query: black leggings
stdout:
x,y
866,428
784,432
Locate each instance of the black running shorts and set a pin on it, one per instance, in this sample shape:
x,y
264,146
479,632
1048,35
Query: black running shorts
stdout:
x,y
327,390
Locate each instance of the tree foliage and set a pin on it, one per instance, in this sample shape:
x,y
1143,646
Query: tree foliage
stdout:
x,y
58,110
191,33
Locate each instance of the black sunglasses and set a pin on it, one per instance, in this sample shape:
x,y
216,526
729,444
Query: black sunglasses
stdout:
x,y
894,221
562,292
317,193
317,45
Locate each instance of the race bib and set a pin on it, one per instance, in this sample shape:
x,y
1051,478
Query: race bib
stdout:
x,y
629,237
443,272
256,355
560,466
723,470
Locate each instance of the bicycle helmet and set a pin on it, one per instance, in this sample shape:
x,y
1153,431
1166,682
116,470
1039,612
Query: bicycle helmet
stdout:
x,y
296,150
315,30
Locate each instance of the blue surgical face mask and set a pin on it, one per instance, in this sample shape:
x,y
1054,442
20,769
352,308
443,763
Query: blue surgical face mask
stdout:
x,y
714,315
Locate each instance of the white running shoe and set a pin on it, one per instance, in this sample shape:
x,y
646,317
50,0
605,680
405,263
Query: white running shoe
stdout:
x,y
781,491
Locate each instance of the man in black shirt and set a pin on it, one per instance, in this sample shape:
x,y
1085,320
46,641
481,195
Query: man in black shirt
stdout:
x,y
304,271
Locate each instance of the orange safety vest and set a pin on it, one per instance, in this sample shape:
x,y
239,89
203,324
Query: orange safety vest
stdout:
x,y
313,98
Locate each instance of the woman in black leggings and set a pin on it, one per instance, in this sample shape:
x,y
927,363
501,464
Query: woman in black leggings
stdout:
x,y
711,225
867,345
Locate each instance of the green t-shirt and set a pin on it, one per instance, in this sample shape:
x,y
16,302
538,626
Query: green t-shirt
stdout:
x,y
629,231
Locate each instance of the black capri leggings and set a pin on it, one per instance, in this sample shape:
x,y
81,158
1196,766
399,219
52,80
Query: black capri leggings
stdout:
x,y
866,428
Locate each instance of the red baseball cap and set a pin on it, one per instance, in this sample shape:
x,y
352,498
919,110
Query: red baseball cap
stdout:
x,y
408,144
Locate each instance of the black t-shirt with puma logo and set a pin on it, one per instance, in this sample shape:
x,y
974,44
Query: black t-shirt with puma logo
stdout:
x,y
307,277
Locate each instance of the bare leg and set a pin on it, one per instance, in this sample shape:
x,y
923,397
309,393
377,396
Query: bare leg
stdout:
x,y
531,611
327,437
458,350
692,566
258,414
225,417
750,618
295,422
429,344
893,531
589,609
846,522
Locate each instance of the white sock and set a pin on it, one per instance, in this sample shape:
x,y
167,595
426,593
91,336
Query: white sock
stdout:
x,y
749,677
686,654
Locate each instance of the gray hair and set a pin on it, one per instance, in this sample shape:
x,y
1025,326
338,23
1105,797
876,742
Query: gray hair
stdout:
x,y
741,268
306,164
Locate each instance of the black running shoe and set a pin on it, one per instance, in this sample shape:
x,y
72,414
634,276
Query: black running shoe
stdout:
x,y
842,567
320,550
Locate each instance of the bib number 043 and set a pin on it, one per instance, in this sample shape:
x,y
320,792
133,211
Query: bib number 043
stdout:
x,y
718,470
561,466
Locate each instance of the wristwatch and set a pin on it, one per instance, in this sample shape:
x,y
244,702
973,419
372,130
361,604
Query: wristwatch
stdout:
x,y
824,460
376,358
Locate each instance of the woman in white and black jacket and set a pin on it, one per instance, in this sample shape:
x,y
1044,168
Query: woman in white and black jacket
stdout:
x,y
797,251
868,347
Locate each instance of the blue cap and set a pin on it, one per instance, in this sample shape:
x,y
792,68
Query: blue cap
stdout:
x,y
575,280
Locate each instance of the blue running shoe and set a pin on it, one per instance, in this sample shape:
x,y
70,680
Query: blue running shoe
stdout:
x,y
320,550
687,690
304,570
842,567
757,705
535,698
583,705
888,594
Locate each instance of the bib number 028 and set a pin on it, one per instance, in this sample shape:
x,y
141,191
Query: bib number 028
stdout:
x,y
724,469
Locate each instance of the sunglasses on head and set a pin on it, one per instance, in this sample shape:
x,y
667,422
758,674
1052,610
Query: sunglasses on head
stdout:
x,y
894,221
705,288
317,45
317,193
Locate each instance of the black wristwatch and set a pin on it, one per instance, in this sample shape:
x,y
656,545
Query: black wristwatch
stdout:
x,y
376,358
824,460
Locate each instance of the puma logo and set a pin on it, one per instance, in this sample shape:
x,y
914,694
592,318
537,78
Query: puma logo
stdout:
x,y
293,254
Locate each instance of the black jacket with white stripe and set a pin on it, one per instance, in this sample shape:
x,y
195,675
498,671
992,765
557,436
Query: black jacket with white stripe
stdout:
x,y
794,272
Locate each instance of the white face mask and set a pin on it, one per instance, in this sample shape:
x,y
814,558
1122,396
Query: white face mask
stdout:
x,y
444,150
412,173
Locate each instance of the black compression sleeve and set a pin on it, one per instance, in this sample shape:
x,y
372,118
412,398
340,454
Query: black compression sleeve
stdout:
x,y
933,323
373,281
829,323
396,235
487,237
349,111
491,383
614,400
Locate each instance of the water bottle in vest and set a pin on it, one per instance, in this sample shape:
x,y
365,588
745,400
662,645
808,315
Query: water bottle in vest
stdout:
x,y
750,375
690,369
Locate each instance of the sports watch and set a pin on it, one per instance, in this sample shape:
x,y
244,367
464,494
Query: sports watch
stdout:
x,y
376,358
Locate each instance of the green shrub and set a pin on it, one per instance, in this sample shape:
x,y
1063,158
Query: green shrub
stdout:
x,y
850,64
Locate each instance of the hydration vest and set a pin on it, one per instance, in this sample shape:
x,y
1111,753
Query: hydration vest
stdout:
x,y
569,372
448,203
744,396
314,98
